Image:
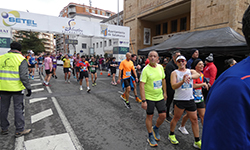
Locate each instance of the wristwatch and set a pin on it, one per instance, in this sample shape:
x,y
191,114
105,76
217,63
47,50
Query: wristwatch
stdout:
x,y
143,101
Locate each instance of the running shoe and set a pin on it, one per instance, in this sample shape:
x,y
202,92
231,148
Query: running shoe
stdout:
x,y
32,78
81,88
197,144
183,130
172,139
123,97
55,77
39,73
168,119
42,73
44,83
74,77
156,134
93,84
151,141
68,81
127,104
47,85
138,99
88,89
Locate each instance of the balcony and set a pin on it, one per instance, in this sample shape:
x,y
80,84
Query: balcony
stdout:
x,y
71,10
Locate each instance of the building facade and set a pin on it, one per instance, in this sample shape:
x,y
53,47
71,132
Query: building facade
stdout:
x,y
152,22
85,45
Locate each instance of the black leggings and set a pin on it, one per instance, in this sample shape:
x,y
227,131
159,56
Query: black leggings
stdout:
x,y
170,94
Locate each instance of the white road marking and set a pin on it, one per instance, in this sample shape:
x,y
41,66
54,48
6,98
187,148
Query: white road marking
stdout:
x,y
37,80
55,142
19,143
33,100
37,90
41,115
36,77
69,129
129,95
35,84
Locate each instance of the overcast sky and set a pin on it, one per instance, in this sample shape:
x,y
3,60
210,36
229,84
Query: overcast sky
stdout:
x,y
53,7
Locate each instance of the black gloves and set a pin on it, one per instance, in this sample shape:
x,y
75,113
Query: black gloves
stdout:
x,y
29,92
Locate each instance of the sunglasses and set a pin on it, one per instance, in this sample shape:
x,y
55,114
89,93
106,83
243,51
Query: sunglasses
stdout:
x,y
180,60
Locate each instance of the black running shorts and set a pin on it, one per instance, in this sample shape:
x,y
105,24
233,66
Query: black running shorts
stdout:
x,y
113,71
127,82
66,70
200,105
31,66
160,106
48,72
84,74
187,105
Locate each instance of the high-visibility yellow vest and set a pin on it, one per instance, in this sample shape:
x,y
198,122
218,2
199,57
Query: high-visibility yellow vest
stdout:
x,y
9,72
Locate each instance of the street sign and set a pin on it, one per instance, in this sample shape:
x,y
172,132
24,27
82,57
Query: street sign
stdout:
x,y
69,41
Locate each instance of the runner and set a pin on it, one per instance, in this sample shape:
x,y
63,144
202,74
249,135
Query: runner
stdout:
x,y
66,68
54,60
113,66
137,66
93,68
83,65
72,64
77,59
40,64
48,69
154,94
31,63
198,65
125,69
182,83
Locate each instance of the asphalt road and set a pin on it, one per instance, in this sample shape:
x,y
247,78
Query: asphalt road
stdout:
x,y
98,119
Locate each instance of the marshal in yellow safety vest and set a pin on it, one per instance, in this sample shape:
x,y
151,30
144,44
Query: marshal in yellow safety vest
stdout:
x,y
9,72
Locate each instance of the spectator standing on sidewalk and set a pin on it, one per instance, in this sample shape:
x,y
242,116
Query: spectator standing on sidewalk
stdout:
x,y
13,81
195,55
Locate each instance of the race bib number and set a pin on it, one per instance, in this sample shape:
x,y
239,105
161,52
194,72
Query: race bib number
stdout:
x,y
93,69
54,60
40,62
157,84
128,73
186,86
69,69
33,61
198,97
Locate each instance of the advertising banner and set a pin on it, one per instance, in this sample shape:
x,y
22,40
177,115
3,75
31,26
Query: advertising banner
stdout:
x,y
42,23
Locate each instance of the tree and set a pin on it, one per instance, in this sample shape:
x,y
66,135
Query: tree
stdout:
x,y
30,41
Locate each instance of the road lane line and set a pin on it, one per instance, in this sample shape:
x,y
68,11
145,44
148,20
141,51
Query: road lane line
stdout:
x,y
41,115
35,84
37,90
33,100
69,129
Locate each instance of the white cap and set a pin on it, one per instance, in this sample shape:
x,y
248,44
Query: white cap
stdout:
x,y
180,57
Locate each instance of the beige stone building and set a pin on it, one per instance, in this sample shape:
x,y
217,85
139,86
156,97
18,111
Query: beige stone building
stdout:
x,y
154,21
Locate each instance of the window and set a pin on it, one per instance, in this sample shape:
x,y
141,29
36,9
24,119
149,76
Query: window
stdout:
x,y
105,43
183,25
93,45
87,9
93,11
173,26
103,13
96,45
110,43
98,11
100,44
84,45
165,28
158,29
